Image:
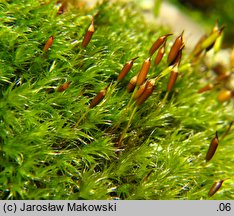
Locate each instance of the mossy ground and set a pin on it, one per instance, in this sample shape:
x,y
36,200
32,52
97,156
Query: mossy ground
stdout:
x,y
46,154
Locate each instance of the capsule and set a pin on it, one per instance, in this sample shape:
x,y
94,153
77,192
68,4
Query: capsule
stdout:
x,y
160,55
158,43
210,40
63,87
132,84
140,90
178,57
215,187
48,43
212,148
225,95
63,7
173,77
88,34
147,92
214,30
206,88
143,72
176,47
98,98
127,67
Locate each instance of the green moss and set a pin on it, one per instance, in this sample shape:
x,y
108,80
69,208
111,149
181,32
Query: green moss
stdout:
x,y
53,146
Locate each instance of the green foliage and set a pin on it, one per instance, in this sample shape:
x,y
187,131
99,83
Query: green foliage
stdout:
x,y
53,146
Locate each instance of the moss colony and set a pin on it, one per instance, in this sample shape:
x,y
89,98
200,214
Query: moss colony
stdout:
x,y
70,129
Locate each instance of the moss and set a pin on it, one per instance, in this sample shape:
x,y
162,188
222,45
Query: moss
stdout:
x,y
53,146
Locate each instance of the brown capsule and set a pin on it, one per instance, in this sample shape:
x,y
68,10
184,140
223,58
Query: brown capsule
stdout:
x,y
88,34
127,67
140,90
176,47
215,187
48,43
178,57
144,71
63,87
225,95
212,148
158,43
147,92
63,7
232,58
160,55
132,84
173,77
99,97
206,88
